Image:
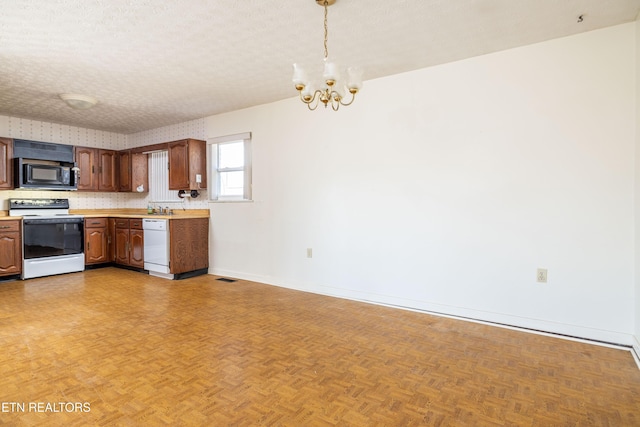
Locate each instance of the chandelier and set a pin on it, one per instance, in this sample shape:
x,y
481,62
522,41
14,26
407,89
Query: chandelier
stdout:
x,y
333,90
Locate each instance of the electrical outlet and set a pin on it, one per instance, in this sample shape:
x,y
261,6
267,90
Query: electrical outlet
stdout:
x,y
309,253
198,178
541,276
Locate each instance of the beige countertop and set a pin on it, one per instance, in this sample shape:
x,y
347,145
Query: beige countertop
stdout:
x,y
140,213
125,213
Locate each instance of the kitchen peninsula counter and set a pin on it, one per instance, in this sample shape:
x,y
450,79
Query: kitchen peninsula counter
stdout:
x,y
118,236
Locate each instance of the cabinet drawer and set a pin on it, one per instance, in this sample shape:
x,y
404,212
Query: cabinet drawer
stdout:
x,y
95,222
135,224
9,226
122,223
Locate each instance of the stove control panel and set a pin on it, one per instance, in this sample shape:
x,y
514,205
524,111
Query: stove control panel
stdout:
x,y
38,204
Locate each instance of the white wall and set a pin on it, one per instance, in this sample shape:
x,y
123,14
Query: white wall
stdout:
x,y
445,188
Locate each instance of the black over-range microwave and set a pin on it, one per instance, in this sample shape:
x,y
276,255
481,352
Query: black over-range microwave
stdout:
x,y
45,175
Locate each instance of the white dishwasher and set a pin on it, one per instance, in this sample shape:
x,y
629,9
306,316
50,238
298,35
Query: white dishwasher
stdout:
x,y
156,247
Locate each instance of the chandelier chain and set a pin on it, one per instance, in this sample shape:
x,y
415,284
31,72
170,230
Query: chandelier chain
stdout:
x,y
326,29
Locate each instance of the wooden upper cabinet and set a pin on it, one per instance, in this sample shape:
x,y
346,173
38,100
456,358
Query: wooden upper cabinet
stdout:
x,y
6,163
133,171
178,165
107,170
86,162
187,159
97,169
139,172
124,170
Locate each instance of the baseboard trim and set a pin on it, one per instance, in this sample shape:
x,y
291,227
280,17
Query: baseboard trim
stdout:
x,y
635,350
571,332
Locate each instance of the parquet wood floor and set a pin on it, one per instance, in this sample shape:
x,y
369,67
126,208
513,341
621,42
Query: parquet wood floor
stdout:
x,y
143,351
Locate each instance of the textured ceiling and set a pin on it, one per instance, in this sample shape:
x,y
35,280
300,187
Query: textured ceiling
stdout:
x,y
153,63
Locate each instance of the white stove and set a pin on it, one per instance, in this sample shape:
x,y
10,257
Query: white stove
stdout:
x,y
53,239
46,208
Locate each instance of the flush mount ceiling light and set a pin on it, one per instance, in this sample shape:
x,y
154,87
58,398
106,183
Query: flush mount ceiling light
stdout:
x,y
78,102
333,89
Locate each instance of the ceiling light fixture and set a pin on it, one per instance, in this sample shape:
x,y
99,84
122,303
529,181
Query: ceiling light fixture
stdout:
x,y
78,102
333,90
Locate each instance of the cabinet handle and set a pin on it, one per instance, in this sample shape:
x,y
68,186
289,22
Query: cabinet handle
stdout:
x,y
88,245
5,226
93,169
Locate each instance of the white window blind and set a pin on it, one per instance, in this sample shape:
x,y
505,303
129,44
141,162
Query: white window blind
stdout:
x,y
159,178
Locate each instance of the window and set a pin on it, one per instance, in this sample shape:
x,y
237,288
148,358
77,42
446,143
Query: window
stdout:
x,y
230,167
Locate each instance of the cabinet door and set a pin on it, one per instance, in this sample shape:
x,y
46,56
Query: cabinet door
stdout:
x,y
95,245
10,248
86,162
136,255
111,239
107,170
124,170
122,245
179,165
139,172
6,163
189,244
197,150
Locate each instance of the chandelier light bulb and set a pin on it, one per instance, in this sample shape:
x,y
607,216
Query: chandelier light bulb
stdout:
x,y
331,72
354,78
308,92
299,76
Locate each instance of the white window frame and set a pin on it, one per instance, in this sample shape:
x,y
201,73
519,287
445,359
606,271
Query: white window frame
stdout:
x,y
214,173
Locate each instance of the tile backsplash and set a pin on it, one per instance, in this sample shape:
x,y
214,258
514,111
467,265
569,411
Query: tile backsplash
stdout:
x,y
12,127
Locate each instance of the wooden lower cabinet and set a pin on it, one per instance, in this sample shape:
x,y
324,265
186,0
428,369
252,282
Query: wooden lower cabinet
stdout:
x,y
10,248
96,241
188,245
111,230
129,242
121,241
136,256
